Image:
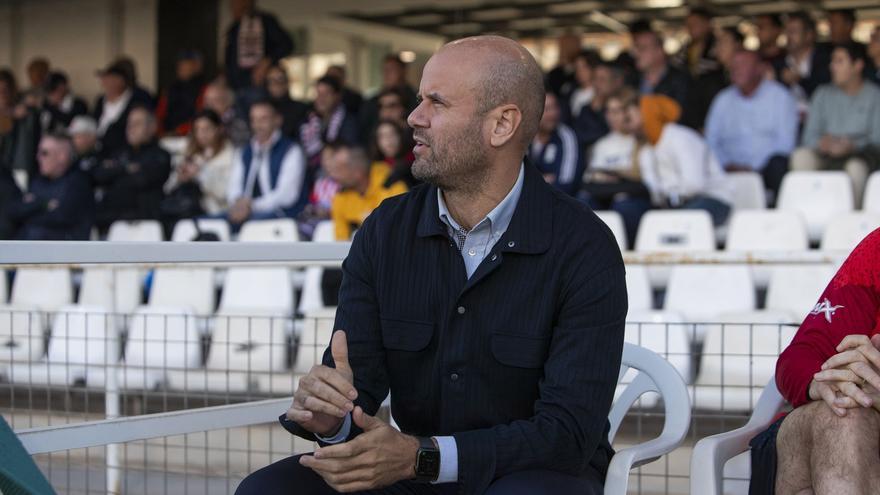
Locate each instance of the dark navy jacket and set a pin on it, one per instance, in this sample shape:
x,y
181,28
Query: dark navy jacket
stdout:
x,y
562,157
58,210
519,363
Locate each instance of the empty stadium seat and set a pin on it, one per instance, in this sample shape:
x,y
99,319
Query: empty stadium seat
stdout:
x,y
81,347
160,340
117,290
739,357
4,289
21,336
311,298
819,196
848,230
638,288
773,230
188,288
186,230
702,292
280,230
314,339
614,222
748,191
135,231
675,231
31,288
796,289
871,199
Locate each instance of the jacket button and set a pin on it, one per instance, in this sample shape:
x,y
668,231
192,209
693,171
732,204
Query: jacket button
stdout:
x,y
511,244
461,310
454,377
494,257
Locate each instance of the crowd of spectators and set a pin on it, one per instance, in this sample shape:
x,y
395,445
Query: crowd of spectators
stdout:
x,y
645,130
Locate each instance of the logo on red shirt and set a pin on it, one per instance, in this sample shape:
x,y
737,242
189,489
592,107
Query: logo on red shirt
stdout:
x,y
825,307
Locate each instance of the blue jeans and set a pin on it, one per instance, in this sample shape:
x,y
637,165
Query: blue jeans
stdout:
x,y
718,209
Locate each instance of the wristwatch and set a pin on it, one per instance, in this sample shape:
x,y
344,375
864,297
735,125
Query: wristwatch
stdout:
x,y
427,461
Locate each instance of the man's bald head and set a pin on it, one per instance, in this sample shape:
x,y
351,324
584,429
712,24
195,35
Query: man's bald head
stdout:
x,y
506,73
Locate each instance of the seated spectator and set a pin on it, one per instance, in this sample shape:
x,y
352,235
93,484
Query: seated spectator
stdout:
x,y
351,98
10,194
269,177
38,71
221,100
393,77
656,75
843,126
362,188
199,185
328,121
555,150
393,146
293,112
828,443
392,106
140,95
699,58
19,126
769,30
60,106
677,165
806,64
583,110
180,102
255,40
729,41
320,200
83,132
131,181
113,107
613,180
752,124
59,204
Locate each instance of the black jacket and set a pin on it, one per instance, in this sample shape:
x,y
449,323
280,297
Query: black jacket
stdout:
x,y
820,69
676,84
114,140
132,184
519,363
10,194
56,210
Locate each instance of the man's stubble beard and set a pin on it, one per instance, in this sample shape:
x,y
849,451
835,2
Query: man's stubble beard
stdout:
x,y
457,164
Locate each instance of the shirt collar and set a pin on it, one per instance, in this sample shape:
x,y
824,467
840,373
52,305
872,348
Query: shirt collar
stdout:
x,y
272,140
500,216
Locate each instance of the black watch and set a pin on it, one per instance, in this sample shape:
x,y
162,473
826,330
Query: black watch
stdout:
x,y
427,461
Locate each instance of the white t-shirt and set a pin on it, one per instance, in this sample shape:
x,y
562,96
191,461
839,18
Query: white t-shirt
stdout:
x,y
613,153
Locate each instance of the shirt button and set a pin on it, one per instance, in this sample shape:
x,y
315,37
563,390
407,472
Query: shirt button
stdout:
x,y
454,377
511,244
494,257
472,252
461,310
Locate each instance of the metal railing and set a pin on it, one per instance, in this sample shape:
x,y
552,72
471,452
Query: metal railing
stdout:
x,y
201,423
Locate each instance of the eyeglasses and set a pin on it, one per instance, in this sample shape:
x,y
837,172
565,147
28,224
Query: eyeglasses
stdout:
x,y
43,153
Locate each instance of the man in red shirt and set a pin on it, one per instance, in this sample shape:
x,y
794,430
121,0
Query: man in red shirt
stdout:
x,y
829,443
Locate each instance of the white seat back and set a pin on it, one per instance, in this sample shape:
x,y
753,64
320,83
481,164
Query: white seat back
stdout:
x,y
163,337
21,334
46,289
263,289
819,196
312,298
638,288
136,231
796,289
614,222
848,230
191,288
748,191
871,201
676,231
249,343
663,332
701,292
280,230
185,230
775,230
4,289
81,335
117,290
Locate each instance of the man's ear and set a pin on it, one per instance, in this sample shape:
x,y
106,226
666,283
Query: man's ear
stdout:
x,y
505,121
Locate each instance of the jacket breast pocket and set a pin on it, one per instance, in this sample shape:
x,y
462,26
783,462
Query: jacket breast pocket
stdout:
x,y
518,365
409,364
520,351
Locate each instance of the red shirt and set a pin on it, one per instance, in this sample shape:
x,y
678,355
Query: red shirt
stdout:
x,y
848,306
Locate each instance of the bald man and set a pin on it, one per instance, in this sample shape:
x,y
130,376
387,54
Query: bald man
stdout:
x,y
489,304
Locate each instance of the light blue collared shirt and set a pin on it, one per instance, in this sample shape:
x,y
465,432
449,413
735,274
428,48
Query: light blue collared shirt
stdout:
x,y
475,245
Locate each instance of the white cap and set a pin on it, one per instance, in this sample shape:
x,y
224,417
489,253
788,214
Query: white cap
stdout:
x,y
82,124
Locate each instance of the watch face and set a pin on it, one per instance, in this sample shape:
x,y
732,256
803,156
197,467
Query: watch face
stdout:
x,y
428,464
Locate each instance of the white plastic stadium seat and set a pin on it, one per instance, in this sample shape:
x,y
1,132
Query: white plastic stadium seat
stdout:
x,y
80,350
185,230
614,222
739,356
21,336
662,332
117,290
711,454
4,290
280,230
748,191
819,196
638,288
772,230
848,230
314,339
136,231
796,289
702,292
188,288
676,231
47,289
312,298
871,201
655,375
159,340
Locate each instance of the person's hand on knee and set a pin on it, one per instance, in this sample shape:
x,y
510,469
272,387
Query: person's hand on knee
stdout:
x,y
844,377
326,395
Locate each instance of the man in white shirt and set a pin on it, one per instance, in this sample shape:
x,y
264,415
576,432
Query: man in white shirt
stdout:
x,y
269,173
